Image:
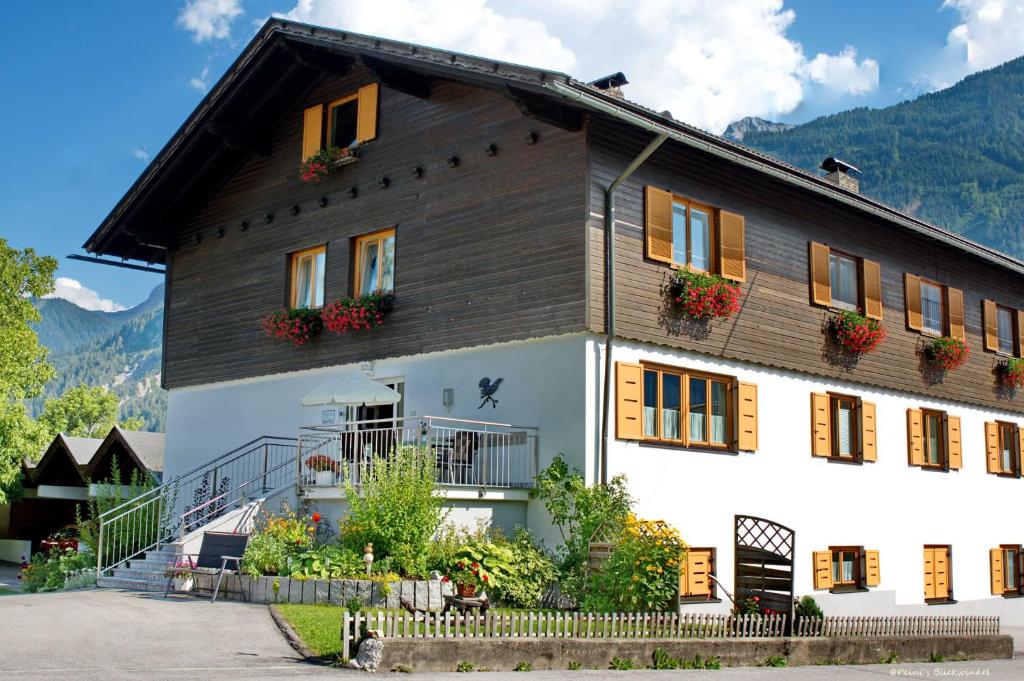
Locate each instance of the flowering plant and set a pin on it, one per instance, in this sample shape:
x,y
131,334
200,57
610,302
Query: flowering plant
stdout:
x,y
1012,373
703,296
749,606
856,333
320,164
471,575
296,324
353,314
321,463
947,353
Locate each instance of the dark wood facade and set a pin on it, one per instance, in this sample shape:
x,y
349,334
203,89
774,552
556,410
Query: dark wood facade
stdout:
x,y
488,251
777,325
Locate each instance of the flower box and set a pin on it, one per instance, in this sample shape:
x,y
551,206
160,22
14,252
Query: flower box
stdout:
x,y
701,296
326,161
947,353
300,325
1011,373
855,333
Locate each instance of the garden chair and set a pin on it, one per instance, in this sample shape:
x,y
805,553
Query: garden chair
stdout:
x,y
216,551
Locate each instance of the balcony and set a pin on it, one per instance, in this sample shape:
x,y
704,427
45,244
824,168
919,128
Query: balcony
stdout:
x,y
467,454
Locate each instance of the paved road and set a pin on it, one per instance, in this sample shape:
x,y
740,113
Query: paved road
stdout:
x,y
109,635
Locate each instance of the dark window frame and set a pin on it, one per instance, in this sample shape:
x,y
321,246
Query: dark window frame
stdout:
x,y
684,406
943,454
834,400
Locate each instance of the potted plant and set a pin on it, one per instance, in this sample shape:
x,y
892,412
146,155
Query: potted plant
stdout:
x,y
947,353
855,333
325,468
468,578
354,314
701,296
1011,373
325,161
182,574
296,324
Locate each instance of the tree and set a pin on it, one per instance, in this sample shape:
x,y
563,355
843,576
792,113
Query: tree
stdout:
x,y
81,412
23,366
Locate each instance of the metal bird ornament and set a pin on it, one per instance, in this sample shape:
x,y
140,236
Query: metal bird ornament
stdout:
x,y
487,390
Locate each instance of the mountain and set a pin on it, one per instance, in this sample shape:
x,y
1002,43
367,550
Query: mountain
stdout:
x,y
954,158
120,350
737,130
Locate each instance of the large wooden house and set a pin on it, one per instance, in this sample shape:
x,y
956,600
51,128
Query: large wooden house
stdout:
x,y
529,226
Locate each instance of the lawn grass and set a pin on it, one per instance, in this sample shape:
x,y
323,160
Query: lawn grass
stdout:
x,y
319,626
7,592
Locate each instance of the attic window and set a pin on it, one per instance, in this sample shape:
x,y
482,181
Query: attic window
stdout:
x,y
343,122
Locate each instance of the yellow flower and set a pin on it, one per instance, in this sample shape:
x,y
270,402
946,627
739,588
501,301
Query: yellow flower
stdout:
x,y
636,562
660,570
636,578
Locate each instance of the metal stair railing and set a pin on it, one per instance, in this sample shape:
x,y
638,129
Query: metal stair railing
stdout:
x,y
165,513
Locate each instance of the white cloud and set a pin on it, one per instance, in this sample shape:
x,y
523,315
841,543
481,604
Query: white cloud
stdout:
x,y
202,81
991,32
842,72
709,64
140,153
72,290
209,19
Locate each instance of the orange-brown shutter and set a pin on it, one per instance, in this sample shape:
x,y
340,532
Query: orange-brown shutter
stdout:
x,y
872,287
312,130
822,570
658,224
746,417
366,118
872,569
695,581
629,394
912,292
942,569
954,446
992,446
989,320
955,305
915,437
995,563
1020,451
1020,333
821,286
821,427
732,261
868,435
929,573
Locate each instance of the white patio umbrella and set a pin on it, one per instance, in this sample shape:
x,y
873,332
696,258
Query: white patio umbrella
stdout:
x,y
351,390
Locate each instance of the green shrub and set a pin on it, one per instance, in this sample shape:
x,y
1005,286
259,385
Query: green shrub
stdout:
x,y
808,607
892,658
465,667
447,541
575,665
702,663
523,667
265,554
532,571
937,657
775,661
53,571
661,660
326,562
620,664
130,532
394,508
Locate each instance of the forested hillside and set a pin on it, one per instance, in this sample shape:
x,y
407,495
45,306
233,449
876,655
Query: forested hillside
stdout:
x,y
954,157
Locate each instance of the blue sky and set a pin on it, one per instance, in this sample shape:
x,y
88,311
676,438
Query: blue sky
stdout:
x,y
93,90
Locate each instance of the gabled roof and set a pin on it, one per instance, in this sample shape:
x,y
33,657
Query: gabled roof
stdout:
x,y
79,451
146,450
285,60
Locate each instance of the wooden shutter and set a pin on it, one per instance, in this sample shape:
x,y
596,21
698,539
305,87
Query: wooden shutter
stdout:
x,y
872,569
822,570
954,446
658,224
366,118
871,273
955,305
868,435
989,319
312,130
732,262
995,562
912,292
821,427
629,395
929,573
695,580
1020,451
942,569
1020,333
915,437
992,446
821,286
746,417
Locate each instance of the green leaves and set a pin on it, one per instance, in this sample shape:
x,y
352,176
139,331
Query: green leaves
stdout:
x,y
81,412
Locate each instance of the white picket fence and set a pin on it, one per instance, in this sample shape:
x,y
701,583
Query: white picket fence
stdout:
x,y
897,626
558,625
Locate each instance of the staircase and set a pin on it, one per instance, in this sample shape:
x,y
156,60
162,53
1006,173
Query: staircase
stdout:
x,y
138,539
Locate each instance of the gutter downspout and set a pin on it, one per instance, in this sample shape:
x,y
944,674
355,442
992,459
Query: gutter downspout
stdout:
x,y
609,295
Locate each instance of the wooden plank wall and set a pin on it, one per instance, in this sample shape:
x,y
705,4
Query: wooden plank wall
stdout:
x,y
491,251
777,326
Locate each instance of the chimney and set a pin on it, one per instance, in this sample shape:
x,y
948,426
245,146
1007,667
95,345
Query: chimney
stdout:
x,y
841,174
611,85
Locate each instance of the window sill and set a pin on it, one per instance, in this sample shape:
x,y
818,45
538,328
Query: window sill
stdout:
x,y
689,448
849,461
848,590
1013,594
939,601
932,468
697,600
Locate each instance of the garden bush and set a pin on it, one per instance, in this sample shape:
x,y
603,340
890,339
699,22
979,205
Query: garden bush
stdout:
x,y
532,571
55,570
326,562
395,509
808,607
264,555
275,539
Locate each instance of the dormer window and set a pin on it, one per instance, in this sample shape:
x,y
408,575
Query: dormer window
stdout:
x,y
342,123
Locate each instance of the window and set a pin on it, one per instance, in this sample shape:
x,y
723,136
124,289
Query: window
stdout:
x,y
843,427
1003,440
1007,448
683,233
343,122
350,120
1006,566
846,566
843,280
307,277
934,442
1003,326
707,414
375,263
938,574
932,316
695,579
934,308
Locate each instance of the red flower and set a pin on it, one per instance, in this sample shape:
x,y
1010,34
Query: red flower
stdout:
x,y
445,579
315,517
475,565
757,599
486,578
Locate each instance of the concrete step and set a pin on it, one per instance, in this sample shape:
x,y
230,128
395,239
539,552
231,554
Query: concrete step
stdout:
x,y
153,565
148,575
130,584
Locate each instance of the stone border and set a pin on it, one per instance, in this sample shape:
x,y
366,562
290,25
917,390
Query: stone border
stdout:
x,y
294,640
425,595
503,654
